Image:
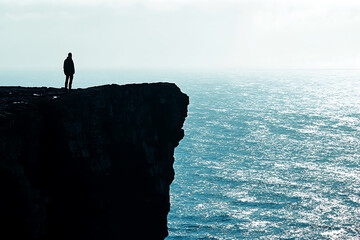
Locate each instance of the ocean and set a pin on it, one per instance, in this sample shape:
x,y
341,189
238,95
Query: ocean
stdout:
x,y
267,154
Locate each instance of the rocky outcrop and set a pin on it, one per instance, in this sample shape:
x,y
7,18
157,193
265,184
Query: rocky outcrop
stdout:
x,y
91,163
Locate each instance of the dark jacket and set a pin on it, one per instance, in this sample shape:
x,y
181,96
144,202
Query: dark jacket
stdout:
x,y
69,68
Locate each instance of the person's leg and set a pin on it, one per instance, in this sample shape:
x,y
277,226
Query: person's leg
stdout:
x,y
66,81
71,78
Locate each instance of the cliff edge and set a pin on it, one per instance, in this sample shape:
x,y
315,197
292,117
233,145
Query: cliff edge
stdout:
x,y
91,163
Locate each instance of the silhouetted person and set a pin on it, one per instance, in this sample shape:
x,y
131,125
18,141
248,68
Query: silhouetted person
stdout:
x,y
69,71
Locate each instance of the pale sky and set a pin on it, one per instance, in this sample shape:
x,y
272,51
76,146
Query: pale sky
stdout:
x,y
180,34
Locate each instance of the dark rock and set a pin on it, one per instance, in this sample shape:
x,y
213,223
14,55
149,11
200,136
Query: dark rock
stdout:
x,y
91,163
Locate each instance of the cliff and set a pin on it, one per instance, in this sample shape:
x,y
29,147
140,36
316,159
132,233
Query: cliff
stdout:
x,y
91,163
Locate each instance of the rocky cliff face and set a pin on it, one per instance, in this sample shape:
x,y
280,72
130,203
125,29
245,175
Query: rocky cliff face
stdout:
x,y
91,163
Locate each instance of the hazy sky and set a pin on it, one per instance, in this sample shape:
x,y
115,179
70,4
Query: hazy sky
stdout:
x,y
180,33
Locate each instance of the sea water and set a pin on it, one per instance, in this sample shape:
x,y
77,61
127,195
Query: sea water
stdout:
x,y
266,154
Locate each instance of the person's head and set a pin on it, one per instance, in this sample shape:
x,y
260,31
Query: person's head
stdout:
x,y
70,55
